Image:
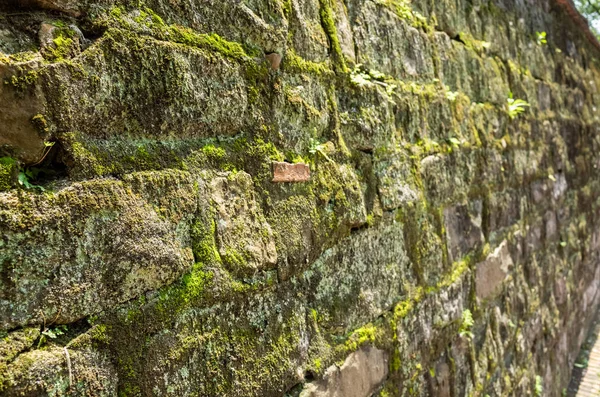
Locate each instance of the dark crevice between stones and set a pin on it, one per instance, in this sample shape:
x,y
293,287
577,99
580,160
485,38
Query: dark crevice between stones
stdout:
x,y
61,334
296,389
457,38
49,334
51,167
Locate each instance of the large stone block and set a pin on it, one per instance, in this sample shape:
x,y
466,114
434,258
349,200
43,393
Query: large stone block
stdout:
x,y
359,376
491,273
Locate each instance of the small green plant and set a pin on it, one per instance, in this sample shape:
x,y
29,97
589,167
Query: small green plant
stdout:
x,y
51,333
539,386
515,106
318,148
541,38
466,325
454,142
451,95
582,364
362,77
26,175
359,77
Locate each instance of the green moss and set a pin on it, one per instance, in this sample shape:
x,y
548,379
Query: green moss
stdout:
x,y
234,259
25,56
63,45
8,170
211,41
458,270
359,337
41,123
296,64
404,11
147,19
328,23
193,285
213,152
23,79
405,307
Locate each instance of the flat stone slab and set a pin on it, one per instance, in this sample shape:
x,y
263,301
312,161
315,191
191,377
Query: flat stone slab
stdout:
x,y
286,172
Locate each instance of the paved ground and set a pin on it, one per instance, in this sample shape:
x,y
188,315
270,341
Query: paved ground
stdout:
x,y
585,380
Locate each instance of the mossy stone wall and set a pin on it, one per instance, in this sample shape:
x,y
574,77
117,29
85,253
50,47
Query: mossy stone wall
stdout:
x,y
446,244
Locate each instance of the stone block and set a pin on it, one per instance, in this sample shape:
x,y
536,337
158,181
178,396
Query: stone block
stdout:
x,y
359,376
463,229
491,272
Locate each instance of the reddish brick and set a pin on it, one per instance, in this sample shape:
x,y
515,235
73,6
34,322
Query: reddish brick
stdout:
x,y
286,172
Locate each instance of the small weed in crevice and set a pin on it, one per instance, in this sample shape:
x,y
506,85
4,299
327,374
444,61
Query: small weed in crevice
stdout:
x,y
466,325
541,38
51,333
516,106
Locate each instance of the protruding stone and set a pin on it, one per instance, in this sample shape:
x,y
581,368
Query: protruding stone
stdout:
x,y
286,172
69,7
20,101
463,229
46,35
491,273
359,376
244,237
274,60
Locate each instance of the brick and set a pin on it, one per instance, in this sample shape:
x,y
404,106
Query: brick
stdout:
x,y
286,172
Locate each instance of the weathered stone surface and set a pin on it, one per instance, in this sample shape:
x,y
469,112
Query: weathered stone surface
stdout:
x,y
463,229
18,107
274,60
67,6
491,273
46,372
360,376
239,220
162,256
74,234
397,185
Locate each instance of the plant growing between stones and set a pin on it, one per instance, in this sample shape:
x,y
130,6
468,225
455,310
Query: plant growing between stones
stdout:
x,y
27,174
539,386
25,177
541,38
51,333
466,325
361,77
515,106
318,148
451,95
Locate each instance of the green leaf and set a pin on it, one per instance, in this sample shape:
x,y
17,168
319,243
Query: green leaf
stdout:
x,y
515,106
50,333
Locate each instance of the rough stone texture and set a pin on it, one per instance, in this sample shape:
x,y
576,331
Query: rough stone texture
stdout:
x,y
491,273
145,243
360,375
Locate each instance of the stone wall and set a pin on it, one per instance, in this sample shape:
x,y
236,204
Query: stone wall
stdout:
x,y
445,245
